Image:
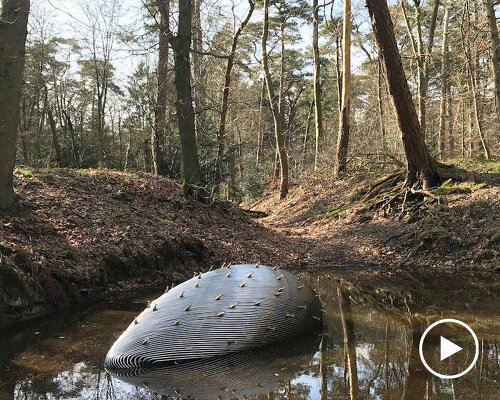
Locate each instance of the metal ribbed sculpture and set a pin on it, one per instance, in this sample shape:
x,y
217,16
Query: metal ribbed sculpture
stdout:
x,y
216,313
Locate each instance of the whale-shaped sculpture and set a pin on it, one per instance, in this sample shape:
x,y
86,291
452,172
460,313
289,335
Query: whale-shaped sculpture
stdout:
x,y
235,375
216,313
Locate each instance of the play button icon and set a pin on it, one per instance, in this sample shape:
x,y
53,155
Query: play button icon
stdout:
x,y
448,348
458,348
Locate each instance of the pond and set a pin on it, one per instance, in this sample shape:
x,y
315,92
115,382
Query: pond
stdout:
x,y
365,351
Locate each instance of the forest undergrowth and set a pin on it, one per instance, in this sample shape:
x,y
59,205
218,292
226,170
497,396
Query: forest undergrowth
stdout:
x,y
375,232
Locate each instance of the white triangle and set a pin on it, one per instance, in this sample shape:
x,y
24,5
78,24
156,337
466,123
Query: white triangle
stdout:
x,y
448,348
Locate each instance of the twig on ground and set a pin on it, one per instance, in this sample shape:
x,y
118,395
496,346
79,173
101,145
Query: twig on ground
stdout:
x,y
403,205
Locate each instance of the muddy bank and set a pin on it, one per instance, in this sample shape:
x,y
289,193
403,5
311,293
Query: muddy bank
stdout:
x,y
75,235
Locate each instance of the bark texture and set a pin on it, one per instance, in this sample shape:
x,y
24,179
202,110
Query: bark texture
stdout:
x,y
420,165
181,45
158,133
13,31
278,121
345,109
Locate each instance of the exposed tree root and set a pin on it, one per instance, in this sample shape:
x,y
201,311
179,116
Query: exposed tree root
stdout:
x,y
390,195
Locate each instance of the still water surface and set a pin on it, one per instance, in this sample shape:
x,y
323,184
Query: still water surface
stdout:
x,y
364,352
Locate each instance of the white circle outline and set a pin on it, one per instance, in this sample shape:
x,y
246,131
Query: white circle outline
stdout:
x,y
444,321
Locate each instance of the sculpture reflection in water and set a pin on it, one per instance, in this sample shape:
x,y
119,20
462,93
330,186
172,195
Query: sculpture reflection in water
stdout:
x,y
247,373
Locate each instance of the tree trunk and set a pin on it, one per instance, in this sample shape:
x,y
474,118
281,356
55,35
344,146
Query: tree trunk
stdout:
x,y
306,132
74,144
40,126
423,58
339,74
452,122
181,45
323,371
282,74
318,120
278,121
260,133
417,374
383,134
225,94
13,31
477,117
495,50
444,85
101,88
420,165
344,123
158,133
198,83
466,43
55,140
426,62
420,63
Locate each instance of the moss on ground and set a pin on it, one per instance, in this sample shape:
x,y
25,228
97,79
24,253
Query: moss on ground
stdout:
x,y
475,165
336,213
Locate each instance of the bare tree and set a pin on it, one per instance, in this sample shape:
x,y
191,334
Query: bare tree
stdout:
x,y
420,166
495,50
345,109
444,84
278,120
473,79
226,91
197,58
422,54
13,31
158,133
318,120
103,19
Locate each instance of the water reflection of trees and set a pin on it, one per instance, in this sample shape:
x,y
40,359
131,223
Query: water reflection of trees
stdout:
x,y
349,343
367,352
384,344
82,382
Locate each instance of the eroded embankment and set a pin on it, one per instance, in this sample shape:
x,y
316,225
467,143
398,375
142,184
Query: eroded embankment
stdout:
x,y
78,234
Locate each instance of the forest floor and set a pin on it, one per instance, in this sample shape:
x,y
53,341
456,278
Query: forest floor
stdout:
x,y
398,248
84,234
76,234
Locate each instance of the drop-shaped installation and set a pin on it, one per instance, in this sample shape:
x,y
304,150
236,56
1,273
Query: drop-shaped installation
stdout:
x,y
216,313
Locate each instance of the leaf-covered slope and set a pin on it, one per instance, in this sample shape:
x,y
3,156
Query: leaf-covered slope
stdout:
x,y
80,232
